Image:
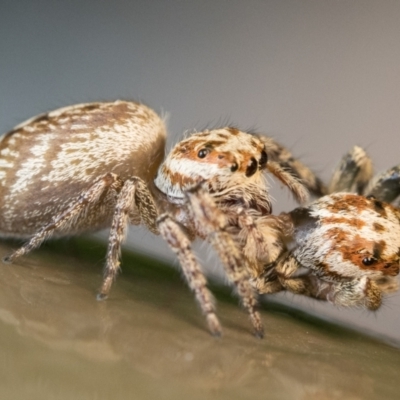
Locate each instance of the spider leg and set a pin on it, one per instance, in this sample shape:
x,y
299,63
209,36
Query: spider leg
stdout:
x,y
353,172
277,276
299,190
354,292
296,168
262,243
386,185
261,238
268,282
180,244
212,222
133,195
67,217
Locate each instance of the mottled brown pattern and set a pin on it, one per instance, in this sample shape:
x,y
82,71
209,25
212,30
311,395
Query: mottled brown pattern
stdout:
x,y
179,179
385,266
352,222
355,248
324,269
217,153
348,202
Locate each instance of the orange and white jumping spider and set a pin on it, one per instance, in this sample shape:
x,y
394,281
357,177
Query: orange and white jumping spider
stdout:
x,y
91,166
347,245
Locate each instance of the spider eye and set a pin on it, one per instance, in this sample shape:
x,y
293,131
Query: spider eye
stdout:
x,y
202,153
251,167
368,261
263,159
234,167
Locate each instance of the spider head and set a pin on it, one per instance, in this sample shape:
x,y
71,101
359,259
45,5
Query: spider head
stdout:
x,y
225,159
231,165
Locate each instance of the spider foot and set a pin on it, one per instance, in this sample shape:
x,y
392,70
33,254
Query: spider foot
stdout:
x,y
213,325
101,296
257,324
8,259
105,288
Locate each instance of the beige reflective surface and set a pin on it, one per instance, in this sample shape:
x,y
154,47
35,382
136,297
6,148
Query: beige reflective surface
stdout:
x,y
149,341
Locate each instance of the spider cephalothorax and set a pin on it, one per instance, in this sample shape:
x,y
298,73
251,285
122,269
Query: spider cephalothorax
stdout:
x,y
230,163
226,160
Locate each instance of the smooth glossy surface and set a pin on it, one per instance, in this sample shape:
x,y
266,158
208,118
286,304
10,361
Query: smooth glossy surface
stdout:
x,y
149,341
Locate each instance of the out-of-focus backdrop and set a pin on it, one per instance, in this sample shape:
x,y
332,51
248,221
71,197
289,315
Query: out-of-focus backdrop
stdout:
x,y
319,76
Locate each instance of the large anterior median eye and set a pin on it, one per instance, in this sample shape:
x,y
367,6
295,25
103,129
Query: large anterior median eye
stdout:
x,y
251,167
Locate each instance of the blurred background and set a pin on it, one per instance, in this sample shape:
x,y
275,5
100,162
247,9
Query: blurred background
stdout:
x,y
319,76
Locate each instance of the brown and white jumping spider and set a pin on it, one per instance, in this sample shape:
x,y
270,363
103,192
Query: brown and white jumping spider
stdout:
x,y
345,247
91,166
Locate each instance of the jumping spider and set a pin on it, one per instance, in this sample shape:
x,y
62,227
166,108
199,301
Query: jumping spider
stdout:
x,y
345,247
91,166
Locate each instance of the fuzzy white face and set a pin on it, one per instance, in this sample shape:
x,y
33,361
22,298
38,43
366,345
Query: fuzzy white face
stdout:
x,y
224,158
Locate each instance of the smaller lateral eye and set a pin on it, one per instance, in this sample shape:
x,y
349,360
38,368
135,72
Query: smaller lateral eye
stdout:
x,y
202,153
368,261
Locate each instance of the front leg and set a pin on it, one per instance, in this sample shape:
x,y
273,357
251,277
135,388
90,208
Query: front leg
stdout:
x,y
262,244
180,244
342,292
135,196
211,222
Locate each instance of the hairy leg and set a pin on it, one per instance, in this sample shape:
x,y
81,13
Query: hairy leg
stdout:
x,y
211,221
133,195
385,186
88,198
180,244
295,167
353,172
295,185
346,292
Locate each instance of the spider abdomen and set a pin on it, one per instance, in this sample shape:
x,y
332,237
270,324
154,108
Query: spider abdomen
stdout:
x,y
48,161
